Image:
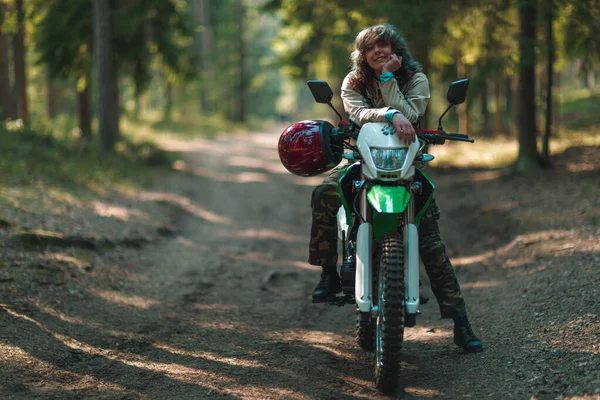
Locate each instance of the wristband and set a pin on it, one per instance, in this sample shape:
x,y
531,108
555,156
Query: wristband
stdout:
x,y
385,77
389,114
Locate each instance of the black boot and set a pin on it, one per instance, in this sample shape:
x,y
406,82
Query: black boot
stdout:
x,y
465,337
328,286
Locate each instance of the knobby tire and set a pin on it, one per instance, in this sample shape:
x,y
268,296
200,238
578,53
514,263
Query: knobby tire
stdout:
x,y
365,333
389,326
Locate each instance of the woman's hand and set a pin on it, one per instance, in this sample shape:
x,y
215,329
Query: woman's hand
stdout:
x,y
404,128
393,64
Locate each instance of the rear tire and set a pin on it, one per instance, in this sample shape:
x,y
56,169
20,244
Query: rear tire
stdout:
x,y
389,328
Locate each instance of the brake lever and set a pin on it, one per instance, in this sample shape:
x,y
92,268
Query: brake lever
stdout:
x,y
457,136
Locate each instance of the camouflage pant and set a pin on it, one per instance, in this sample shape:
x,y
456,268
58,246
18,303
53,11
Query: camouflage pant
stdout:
x,y
325,203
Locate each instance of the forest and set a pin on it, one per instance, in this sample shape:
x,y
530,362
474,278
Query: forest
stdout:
x,y
247,60
152,244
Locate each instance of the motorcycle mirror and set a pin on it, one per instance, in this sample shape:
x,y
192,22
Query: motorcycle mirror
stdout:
x,y
320,91
322,94
457,92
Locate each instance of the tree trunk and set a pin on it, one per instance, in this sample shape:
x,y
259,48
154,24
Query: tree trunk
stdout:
x,y
556,116
420,49
52,97
485,112
508,104
528,158
498,124
464,122
137,102
549,79
241,91
108,105
204,47
19,59
515,92
5,88
84,111
168,102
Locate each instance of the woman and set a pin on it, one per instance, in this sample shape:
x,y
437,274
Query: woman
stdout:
x,y
386,84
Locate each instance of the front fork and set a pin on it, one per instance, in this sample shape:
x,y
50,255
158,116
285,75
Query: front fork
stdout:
x,y
364,246
411,260
364,250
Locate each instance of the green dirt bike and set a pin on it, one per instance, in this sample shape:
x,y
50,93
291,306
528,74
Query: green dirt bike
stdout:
x,y
384,195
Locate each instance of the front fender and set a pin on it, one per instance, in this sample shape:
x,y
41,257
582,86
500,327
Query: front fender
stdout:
x,y
389,199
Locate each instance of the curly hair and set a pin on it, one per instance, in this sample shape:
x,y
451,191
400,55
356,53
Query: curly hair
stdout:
x,y
363,74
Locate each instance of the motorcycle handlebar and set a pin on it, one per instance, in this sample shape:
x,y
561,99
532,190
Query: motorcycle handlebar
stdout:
x,y
433,136
438,137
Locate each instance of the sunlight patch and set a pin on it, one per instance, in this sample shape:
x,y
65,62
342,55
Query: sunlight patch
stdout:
x,y
519,241
123,300
215,307
274,166
427,334
269,140
422,392
69,260
186,204
506,206
188,243
481,284
260,234
113,211
18,356
303,265
242,177
219,325
486,176
305,181
234,361
78,321
174,371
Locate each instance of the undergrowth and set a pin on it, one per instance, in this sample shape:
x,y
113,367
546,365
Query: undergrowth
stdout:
x,y
31,158
578,125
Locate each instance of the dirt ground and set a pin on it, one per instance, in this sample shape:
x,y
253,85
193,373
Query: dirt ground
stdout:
x,y
214,303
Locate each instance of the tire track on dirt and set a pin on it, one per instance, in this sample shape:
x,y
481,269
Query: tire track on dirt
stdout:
x,y
256,267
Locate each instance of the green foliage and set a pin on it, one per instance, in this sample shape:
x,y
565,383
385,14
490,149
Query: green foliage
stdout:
x,y
8,21
141,30
63,37
581,24
30,156
582,112
315,31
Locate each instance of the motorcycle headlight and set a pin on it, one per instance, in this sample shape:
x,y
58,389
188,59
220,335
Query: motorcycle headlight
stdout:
x,y
389,159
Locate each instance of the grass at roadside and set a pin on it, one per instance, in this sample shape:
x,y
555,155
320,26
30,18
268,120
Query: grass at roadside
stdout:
x,y
37,165
154,127
579,126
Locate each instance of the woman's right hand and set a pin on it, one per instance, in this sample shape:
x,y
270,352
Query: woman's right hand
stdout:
x,y
393,64
404,128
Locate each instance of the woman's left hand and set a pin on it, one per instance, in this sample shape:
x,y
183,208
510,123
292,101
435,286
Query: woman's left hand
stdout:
x,y
404,128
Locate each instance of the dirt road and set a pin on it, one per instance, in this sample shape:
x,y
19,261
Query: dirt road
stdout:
x,y
218,304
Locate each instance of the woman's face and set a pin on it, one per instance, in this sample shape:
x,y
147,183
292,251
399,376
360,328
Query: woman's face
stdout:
x,y
378,53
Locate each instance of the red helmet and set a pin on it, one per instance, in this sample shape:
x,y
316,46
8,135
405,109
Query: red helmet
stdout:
x,y
305,148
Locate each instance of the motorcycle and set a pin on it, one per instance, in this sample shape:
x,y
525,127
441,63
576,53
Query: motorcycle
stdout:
x,y
384,194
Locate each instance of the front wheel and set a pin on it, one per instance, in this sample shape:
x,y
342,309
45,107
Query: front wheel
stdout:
x,y
365,332
389,328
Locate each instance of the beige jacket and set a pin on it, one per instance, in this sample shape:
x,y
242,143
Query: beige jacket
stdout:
x,y
411,100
